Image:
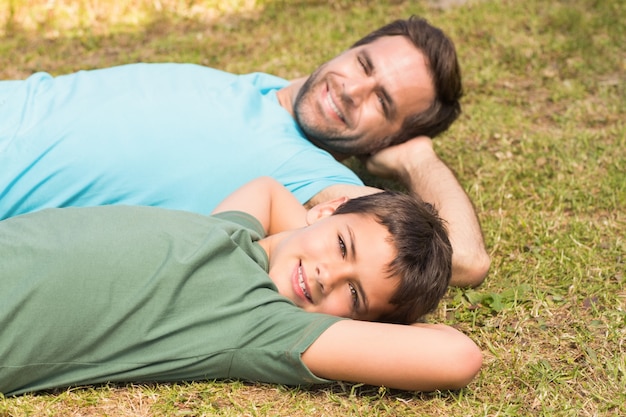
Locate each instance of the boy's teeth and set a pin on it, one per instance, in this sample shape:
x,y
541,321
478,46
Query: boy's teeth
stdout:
x,y
301,283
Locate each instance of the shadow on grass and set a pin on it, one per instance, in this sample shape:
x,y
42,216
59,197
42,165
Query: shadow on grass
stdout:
x,y
286,38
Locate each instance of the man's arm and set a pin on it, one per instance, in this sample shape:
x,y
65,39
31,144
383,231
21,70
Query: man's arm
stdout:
x,y
417,165
267,200
420,357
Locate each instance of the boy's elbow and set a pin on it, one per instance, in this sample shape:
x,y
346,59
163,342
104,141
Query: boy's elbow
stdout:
x,y
455,364
468,363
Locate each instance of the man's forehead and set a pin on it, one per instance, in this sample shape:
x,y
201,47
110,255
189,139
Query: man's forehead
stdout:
x,y
404,71
390,47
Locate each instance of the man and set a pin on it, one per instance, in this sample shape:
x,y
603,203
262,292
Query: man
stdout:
x,y
183,136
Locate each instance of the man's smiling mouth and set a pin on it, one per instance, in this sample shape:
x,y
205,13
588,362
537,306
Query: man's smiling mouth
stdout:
x,y
333,106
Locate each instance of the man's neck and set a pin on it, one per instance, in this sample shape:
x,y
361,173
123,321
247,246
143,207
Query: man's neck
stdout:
x,y
287,95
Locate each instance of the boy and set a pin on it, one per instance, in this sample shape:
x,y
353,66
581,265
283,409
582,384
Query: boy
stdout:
x,y
111,294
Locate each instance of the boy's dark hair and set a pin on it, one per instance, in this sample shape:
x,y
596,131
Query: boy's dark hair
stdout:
x,y
424,253
444,69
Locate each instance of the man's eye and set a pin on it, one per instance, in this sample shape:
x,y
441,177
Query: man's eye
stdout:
x,y
342,247
362,64
381,100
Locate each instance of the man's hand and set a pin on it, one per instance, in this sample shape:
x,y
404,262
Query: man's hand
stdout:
x,y
397,161
416,164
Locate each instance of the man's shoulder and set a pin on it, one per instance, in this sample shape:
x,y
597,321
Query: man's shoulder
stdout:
x,y
265,82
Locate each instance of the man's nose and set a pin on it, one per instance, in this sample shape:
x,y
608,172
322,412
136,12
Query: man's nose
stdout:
x,y
356,90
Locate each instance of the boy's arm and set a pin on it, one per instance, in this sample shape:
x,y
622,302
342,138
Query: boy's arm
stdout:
x,y
417,165
420,357
267,200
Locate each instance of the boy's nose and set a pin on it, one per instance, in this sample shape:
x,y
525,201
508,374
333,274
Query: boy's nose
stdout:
x,y
329,276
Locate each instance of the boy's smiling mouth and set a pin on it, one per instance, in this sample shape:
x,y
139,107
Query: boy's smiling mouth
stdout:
x,y
302,284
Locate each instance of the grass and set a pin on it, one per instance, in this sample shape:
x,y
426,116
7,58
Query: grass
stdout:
x,y
540,149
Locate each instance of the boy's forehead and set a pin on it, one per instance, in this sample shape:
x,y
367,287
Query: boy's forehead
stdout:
x,y
365,227
367,218
375,251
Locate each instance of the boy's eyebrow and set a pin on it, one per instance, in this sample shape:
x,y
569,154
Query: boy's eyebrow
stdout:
x,y
366,303
352,247
390,109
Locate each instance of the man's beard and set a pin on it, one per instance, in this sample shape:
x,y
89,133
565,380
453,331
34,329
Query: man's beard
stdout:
x,y
325,137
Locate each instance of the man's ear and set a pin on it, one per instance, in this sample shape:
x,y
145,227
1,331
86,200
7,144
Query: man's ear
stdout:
x,y
324,209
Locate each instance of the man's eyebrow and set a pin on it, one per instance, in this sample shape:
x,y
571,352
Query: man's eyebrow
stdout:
x,y
389,108
366,303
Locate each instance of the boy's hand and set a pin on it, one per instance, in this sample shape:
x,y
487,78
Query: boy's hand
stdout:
x,y
267,200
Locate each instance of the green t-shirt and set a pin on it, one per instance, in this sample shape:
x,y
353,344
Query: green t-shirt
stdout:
x,y
117,293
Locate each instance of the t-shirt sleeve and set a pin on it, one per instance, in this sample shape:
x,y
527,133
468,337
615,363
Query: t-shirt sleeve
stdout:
x,y
272,351
311,171
276,333
244,220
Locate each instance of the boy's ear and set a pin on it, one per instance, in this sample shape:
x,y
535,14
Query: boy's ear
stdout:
x,y
324,209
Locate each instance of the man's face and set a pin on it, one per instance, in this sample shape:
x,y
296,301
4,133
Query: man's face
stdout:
x,y
348,104
337,266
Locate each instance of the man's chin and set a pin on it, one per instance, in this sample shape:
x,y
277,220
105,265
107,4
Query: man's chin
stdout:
x,y
323,142
339,156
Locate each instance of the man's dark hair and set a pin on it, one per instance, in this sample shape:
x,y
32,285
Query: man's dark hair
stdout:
x,y
424,253
444,69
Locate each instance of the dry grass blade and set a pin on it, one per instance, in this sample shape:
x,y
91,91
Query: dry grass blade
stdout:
x,y
540,149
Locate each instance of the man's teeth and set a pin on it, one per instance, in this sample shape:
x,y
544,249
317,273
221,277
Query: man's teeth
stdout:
x,y
332,105
301,283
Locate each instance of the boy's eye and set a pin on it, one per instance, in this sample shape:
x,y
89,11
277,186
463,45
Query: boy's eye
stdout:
x,y
342,247
355,297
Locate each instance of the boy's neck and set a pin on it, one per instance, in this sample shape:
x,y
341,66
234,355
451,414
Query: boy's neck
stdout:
x,y
268,243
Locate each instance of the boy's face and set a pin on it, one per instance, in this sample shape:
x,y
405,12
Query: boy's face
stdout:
x,y
336,266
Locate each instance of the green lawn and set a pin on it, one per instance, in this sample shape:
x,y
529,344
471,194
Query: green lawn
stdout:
x,y
540,149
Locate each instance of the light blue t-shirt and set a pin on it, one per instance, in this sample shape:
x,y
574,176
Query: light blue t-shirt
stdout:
x,y
179,136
